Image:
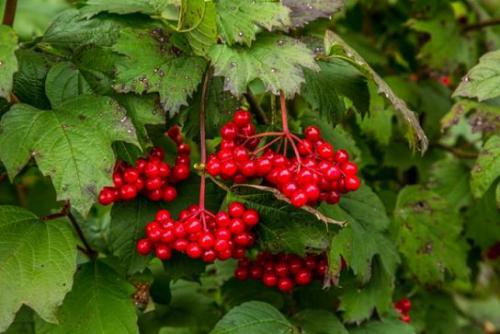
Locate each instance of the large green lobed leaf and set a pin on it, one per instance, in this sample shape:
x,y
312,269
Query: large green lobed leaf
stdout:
x,y
37,263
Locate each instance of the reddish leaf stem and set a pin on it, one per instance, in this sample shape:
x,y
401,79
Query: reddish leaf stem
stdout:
x,y
203,145
9,12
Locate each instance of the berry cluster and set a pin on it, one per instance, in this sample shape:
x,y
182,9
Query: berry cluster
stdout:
x,y
403,306
315,173
200,234
151,177
283,271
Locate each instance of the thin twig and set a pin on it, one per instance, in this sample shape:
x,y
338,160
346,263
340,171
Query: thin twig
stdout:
x,y
63,213
482,24
203,144
459,153
88,250
261,115
9,12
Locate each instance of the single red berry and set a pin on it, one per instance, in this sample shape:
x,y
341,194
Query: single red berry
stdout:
x,y
157,152
180,245
236,209
183,149
167,235
281,269
209,256
341,156
169,194
244,239
289,188
163,169
240,154
180,172
140,164
405,318
351,183
269,279
214,167
241,273
305,177
139,184
229,168
304,147
154,183
179,231
144,247
131,175
182,160
224,255
223,233
162,215
325,151
221,245
154,234
117,179
299,198
194,250
284,176
349,168
248,168
405,305
239,253
303,277
174,132
152,169
263,166
312,133
332,173
229,131
256,272
163,252
251,217
222,218
128,192
206,240
106,196
312,191
193,226
295,264
333,197
242,117
155,195
248,130
285,284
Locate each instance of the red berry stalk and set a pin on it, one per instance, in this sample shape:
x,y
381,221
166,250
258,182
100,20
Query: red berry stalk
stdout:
x,y
283,271
313,174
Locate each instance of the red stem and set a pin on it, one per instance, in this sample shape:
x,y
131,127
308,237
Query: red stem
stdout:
x,y
284,119
203,146
9,12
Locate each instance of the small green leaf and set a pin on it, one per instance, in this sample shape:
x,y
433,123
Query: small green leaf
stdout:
x,y
483,80
318,322
276,60
235,292
148,7
252,318
428,232
487,167
65,81
336,47
385,326
152,63
37,263
8,60
482,223
434,312
303,12
71,144
100,302
240,20
204,35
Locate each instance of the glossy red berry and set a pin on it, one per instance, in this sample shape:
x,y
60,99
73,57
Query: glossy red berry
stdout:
x,y
163,252
131,175
106,196
241,273
270,279
351,183
242,118
194,251
144,247
303,277
128,192
312,133
236,209
251,217
299,198
180,172
285,284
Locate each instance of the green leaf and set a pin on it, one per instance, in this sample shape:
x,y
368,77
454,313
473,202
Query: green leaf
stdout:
x,y
428,232
100,302
482,223
386,326
450,179
434,312
325,90
239,21
446,38
253,318
487,167
64,81
358,302
336,47
318,322
37,263
204,35
303,12
71,144
8,60
483,80
485,117
24,323
362,239
276,60
162,8
29,81
152,63
235,292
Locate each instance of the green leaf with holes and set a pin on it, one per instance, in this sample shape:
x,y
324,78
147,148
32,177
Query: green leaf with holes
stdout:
x,y
37,263
253,317
101,302
8,60
239,21
275,60
71,144
153,63
427,232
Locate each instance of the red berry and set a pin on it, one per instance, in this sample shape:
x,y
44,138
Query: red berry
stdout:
x,y
128,192
299,198
152,169
341,156
281,269
285,284
164,169
289,188
312,133
157,152
154,183
222,218
182,160
251,217
106,196
229,131
236,209
242,117
117,180
222,245
304,147
209,256
325,151
312,192
284,176
405,318
131,175
229,168
270,279
333,197
179,231
169,194
240,154
241,273
303,277
248,168
244,239
183,149
180,172
163,252
155,195
144,247
167,235
180,245
256,272
154,234
214,167
206,240
305,177
194,251
162,215
237,226
350,168
351,183
404,305
263,166
193,226
223,233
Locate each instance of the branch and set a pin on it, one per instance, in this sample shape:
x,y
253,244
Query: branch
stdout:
x,y
482,24
261,115
459,153
9,12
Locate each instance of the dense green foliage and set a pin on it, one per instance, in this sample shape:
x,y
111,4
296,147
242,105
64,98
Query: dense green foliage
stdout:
x,y
410,88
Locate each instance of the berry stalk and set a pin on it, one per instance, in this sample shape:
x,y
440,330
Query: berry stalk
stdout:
x,y
203,145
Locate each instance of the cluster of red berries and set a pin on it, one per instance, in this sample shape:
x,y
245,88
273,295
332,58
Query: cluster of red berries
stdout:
x,y
200,234
315,174
151,177
283,271
403,306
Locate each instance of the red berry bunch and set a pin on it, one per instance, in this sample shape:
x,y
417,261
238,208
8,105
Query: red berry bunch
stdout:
x,y
151,176
283,271
315,173
200,234
403,306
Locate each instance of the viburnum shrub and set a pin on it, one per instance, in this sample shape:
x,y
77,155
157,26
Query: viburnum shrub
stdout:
x,y
240,167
